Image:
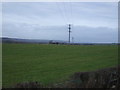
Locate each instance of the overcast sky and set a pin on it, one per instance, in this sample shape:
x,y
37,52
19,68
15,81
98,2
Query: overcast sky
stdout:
x,y
91,21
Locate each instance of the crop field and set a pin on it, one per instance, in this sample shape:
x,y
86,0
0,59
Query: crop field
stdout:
x,y
53,63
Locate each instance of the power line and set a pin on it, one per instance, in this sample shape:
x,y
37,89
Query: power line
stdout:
x,y
71,11
67,16
65,10
62,14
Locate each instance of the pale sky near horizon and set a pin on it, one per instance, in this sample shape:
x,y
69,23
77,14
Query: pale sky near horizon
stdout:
x,y
91,21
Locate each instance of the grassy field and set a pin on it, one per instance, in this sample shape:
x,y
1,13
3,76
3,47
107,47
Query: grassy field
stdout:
x,y
53,63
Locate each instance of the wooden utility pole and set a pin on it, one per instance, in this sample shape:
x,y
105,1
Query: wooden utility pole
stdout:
x,y
69,31
72,39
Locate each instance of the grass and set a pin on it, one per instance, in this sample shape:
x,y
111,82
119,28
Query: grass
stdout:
x,y
53,63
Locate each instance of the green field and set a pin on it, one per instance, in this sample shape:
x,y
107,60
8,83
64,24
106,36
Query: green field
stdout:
x,y
53,63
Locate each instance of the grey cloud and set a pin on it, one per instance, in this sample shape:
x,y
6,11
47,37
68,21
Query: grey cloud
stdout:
x,y
100,14
98,34
80,33
49,21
